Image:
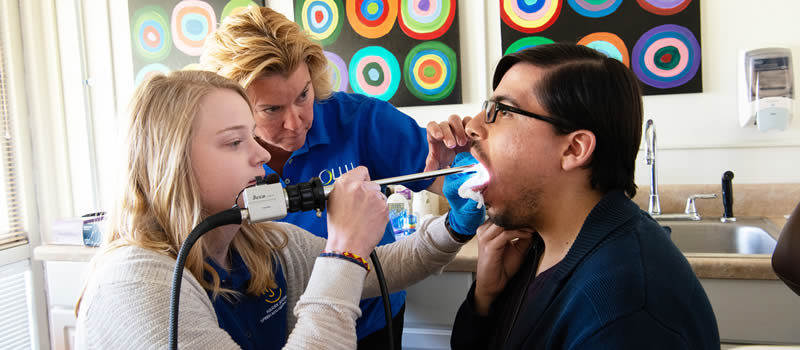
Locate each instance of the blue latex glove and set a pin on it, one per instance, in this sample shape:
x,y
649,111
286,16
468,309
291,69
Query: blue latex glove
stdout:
x,y
465,217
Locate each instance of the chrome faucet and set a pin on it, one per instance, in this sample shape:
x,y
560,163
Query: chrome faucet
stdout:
x,y
654,207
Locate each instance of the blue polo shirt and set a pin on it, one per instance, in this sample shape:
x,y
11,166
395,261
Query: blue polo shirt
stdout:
x,y
351,130
254,322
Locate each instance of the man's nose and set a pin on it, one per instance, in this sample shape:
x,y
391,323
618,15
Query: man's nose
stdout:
x,y
476,128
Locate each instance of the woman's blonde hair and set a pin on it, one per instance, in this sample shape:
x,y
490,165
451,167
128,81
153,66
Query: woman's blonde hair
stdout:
x,y
260,41
160,203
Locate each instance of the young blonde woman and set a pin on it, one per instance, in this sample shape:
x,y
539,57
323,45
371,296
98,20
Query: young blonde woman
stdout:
x,y
190,150
311,131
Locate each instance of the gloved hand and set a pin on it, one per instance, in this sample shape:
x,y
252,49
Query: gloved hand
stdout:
x,y
465,216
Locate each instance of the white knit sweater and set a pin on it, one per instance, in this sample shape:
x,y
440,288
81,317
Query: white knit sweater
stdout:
x,y
126,302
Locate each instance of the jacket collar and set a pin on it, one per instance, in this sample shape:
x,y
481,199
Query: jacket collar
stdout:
x,y
613,210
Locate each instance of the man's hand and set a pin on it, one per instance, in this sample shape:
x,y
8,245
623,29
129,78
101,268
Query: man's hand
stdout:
x,y
500,255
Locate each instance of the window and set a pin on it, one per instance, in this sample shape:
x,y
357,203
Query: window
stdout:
x,y
12,231
15,278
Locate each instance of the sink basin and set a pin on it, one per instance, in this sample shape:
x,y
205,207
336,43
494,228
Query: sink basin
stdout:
x,y
744,236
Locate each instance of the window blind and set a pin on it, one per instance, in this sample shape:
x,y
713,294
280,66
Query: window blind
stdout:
x,y
12,231
15,325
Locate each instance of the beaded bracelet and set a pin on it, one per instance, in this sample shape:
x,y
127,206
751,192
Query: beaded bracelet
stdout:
x,y
347,256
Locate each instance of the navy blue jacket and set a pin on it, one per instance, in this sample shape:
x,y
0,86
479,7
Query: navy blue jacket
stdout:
x,y
622,285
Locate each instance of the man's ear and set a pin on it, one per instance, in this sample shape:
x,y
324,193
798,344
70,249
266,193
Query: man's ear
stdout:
x,y
579,148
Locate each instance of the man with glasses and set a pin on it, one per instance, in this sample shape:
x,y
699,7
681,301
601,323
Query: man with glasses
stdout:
x,y
567,260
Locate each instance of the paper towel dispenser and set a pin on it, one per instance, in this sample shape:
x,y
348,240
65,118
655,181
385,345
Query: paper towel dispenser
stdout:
x,y
767,88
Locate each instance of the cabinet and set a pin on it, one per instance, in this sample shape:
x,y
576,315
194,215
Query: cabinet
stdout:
x,y
754,311
64,284
431,307
62,328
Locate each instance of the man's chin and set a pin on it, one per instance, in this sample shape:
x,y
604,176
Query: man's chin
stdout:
x,y
504,220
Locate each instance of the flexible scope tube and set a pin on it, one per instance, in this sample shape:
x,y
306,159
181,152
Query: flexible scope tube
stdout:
x,y
228,217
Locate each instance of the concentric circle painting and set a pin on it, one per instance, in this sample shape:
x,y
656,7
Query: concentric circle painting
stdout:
x,y
666,56
430,71
659,40
320,19
374,71
530,16
426,19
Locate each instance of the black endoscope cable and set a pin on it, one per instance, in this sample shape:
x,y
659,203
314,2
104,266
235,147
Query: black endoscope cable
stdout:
x,y
387,309
233,216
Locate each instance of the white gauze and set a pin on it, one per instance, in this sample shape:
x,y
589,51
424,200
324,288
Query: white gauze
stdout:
x,y
478,178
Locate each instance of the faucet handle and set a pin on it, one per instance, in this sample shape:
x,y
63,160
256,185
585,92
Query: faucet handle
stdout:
x,y
690,207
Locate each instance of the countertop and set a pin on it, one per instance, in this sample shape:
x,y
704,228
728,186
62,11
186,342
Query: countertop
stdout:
x,y
718,266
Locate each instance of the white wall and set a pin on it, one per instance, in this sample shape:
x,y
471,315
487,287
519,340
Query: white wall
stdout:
x,y
699,133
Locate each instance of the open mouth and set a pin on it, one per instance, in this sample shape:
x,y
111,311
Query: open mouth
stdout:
x,y
480,180
472,188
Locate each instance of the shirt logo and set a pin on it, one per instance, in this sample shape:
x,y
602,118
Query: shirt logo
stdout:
x,y
278,301
272,295
328,176
274,309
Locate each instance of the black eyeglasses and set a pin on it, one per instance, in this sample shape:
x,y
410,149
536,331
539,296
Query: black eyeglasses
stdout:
x,y
491,108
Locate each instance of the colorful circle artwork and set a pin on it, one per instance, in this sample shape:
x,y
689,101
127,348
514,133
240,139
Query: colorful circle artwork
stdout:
x,y
151,39
666,56
149,70
664,7
338,68
609,44
426,19
430,71
233,7
530,16
371,18
321,19
192,21
594,8
374,71
527,42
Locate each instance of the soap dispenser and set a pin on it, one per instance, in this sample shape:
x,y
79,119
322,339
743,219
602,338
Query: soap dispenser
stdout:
x,y
766,86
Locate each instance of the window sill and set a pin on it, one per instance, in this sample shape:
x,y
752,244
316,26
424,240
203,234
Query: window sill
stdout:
x,y
62,252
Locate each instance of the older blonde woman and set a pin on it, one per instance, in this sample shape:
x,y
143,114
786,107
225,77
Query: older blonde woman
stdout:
x,y
190,150
311,131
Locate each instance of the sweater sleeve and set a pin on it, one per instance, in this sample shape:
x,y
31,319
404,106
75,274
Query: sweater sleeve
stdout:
x,y
327,311
405,262
126,306
408,261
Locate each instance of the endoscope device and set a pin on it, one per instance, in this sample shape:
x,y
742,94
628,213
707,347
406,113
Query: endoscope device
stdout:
x,y
269,200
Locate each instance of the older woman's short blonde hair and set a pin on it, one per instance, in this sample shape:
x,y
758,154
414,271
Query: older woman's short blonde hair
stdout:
x,y
260,41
